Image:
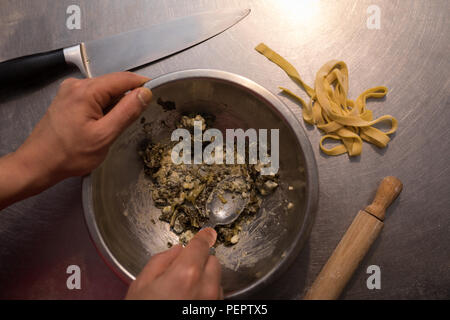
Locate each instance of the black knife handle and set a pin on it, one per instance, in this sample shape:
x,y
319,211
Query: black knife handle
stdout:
x,y
21,70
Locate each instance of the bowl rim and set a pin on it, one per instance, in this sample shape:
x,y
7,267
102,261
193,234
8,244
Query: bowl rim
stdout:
x,y
311,175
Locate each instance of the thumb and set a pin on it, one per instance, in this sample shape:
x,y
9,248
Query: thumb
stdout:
x,y
127,110
207,234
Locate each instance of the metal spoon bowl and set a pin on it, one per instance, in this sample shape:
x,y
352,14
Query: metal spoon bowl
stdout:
x,y
224,206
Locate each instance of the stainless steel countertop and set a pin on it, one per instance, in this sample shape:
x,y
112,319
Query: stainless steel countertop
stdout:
x,y
41,236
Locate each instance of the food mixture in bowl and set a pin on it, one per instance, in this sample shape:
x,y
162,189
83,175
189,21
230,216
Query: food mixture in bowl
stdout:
x,y
181,191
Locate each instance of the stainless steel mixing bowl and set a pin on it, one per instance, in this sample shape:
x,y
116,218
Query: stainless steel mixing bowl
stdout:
x,y
123,222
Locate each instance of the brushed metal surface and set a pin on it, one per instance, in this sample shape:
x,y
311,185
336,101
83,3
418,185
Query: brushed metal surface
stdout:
x,y
409,54
138,47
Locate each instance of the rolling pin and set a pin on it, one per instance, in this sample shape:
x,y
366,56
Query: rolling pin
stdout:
x,y
352,248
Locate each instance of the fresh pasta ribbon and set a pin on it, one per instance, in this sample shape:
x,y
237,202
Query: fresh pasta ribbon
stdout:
x,y
331,111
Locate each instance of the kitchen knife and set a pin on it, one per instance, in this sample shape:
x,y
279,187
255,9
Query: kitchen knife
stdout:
x,y
123,51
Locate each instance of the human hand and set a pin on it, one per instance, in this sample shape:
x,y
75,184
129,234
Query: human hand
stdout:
x,y
181,273
73,137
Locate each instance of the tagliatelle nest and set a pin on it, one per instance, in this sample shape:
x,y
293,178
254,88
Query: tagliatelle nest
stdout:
x,y
340,118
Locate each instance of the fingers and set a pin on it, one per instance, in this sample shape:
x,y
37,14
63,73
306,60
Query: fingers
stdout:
x,y
181,273
156,266
211,288
159,263
125,112
105,88
193,258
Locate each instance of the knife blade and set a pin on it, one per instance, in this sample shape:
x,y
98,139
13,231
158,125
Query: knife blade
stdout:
x,y
126,50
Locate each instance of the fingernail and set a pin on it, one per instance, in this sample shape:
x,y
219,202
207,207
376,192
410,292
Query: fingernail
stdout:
x,y
145,96
213,236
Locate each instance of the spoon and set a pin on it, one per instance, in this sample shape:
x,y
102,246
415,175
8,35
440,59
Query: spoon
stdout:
x,y
224,206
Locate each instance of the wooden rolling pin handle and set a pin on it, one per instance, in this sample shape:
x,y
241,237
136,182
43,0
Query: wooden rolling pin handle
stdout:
x,y
354,245
389,189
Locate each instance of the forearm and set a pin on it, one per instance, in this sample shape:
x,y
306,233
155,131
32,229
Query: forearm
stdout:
x,y
21,177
